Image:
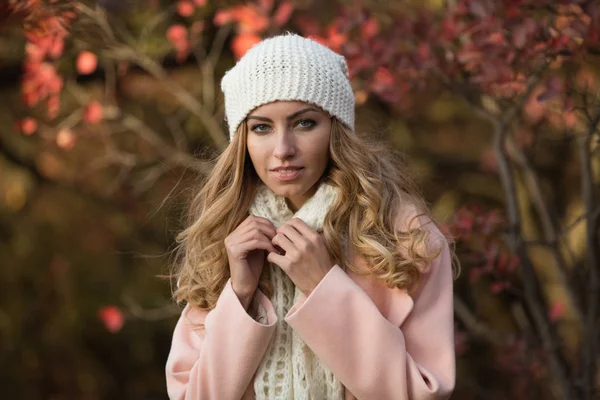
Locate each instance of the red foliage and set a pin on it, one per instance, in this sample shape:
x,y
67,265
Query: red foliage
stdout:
x,y
65,139
93,112
480,232
557,310
41,82
28,126
185,8
45,24
112,318
86,63
492,46
252,20
242,42
179,38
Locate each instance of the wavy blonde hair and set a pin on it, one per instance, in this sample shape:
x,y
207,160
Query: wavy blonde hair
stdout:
x,y
374,187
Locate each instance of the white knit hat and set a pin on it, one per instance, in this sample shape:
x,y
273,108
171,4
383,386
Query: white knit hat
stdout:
x,y
288,67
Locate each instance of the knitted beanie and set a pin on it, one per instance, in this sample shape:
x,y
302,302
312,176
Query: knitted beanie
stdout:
x,y
288,67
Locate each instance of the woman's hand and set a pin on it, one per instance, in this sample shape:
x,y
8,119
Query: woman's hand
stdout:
x,y
306,260
246,247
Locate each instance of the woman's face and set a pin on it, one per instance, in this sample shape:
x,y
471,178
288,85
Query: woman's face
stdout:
x,y
292,135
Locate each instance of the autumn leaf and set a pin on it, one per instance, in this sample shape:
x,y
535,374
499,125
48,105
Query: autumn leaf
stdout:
x,y
93,112
65,139
556,311
28,126
185,8
283,13
86,63
370,28
266,5
241,43
176,33
222,17
250,20
112,318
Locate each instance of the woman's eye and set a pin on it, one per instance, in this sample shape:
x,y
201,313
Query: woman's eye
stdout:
x,y
254,128
306,123
303,123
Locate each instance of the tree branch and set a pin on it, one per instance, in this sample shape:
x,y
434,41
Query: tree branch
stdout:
x,y
474,326
589,347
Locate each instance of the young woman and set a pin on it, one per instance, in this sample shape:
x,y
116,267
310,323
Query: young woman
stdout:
x,y
310,267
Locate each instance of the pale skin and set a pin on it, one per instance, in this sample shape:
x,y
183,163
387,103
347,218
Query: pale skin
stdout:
x,y
282,134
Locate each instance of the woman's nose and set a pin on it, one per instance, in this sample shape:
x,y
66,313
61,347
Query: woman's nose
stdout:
x,y
284,145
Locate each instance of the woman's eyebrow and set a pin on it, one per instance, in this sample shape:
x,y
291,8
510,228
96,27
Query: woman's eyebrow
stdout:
x,y
292,116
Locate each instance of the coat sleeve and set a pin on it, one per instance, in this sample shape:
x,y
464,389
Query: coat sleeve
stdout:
x,y
373,358
215,354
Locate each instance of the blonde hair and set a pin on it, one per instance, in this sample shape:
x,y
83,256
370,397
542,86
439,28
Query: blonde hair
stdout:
x,y
374,188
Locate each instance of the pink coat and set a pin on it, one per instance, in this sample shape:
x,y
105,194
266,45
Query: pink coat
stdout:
x,y
381,343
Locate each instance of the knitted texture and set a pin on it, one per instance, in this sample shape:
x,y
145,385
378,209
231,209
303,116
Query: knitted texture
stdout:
x,y
290,370
288,67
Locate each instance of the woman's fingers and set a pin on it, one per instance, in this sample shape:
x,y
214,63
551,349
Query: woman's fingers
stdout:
x,y
283,241
256,238
258,223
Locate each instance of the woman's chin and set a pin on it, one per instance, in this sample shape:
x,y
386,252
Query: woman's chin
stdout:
x,y
287,189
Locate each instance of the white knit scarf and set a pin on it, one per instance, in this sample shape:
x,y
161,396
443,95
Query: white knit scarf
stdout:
x,y
289,369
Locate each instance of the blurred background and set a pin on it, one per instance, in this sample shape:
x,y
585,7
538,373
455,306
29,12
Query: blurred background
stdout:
x,y
108,109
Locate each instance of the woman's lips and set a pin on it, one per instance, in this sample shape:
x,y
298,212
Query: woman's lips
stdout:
x,y
287,176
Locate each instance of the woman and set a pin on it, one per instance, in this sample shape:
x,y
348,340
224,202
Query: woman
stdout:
x,y
310,268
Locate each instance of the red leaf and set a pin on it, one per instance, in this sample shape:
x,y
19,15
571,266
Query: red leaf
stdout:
x,y
86,63
34,52
370,28
497,287
496,38
241,43
449,29
176,33
185,8
53,106
28,126
222,17
266,5
283,13
335,38
384,77
93,112
556,311
561,42
112,318
57,48
250,20
65,139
